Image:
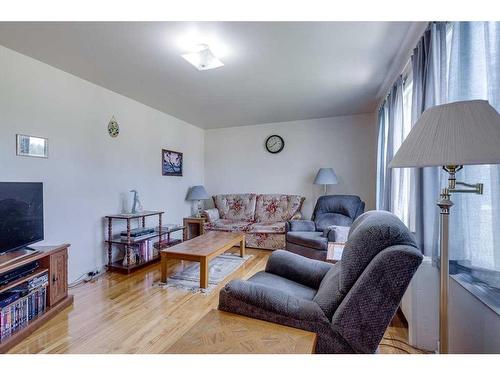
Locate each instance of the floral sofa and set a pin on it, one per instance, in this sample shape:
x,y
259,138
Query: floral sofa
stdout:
x,y
261,217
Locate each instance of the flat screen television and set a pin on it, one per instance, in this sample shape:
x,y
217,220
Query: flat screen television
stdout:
x,y
21,214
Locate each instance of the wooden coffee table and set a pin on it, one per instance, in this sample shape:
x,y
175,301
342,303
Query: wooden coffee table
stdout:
x,y
221,332
201,249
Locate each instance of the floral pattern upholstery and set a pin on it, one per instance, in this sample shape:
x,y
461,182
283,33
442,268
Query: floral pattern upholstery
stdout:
x,y
261,217
270,241
278,227
226,225
236,206
277,207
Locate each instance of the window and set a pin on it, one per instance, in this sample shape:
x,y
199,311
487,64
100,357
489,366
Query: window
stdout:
x,y
402,177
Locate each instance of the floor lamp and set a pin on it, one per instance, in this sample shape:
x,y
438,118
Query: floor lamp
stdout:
x,y
451,136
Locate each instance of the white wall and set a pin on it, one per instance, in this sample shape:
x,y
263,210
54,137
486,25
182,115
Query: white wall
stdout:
x,y
237,161
473,326
87,170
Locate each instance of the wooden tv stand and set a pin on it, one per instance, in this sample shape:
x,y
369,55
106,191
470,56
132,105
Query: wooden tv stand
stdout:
x,y
54,260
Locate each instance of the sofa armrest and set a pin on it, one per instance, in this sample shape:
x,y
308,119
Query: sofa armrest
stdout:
x,y
300,226
212,214
297,268
271,300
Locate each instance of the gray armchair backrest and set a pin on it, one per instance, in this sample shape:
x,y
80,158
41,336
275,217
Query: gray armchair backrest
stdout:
x,y
377,265
337,210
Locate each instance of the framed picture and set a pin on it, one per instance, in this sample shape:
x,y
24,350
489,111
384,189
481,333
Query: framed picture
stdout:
x,y
171,163
28,145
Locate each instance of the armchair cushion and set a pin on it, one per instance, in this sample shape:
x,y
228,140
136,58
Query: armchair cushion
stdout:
x,y
285,285
312,240
337,210
300,226
328,296
332,218
294,267
257,300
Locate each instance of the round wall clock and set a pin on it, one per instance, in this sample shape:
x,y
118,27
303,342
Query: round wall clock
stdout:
x,y
274,144
113,128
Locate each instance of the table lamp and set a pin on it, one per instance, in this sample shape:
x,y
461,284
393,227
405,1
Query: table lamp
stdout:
x,y
451,136
197,193
325,176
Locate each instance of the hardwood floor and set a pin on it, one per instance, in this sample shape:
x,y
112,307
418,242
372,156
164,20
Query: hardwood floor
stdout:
x,y
129,314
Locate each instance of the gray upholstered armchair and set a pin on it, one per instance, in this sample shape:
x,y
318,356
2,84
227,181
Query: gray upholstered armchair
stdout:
x,y
350,304
310,237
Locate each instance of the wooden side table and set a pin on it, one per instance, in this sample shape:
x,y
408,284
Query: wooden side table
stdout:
x,y
193,227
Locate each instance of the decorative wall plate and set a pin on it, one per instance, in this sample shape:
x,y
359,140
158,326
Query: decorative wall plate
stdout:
x,y
113,128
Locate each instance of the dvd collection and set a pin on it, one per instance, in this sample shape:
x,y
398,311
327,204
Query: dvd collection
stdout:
x,y
21,304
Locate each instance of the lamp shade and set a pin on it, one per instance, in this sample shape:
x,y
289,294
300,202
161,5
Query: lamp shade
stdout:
x,y
197,193
325,176
458,133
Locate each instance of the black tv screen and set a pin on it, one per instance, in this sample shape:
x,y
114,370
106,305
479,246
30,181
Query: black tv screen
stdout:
x,y
21,214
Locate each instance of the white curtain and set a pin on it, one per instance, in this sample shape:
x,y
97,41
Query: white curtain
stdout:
x,y
474,73
452,62
392,184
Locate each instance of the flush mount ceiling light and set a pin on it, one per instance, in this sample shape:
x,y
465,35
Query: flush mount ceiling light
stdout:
x,y
202,58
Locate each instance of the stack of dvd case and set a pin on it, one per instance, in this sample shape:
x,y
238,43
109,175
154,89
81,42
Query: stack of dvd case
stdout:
x,y
21,304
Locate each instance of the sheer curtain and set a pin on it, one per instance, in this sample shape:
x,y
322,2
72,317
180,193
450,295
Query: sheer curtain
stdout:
x,y
391,183
451,62
429,67
474,73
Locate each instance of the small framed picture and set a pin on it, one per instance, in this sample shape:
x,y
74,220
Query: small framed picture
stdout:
x,y
28,145
171,163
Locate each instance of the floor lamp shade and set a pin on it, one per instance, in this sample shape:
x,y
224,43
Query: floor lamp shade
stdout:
x,y
459,133
451,135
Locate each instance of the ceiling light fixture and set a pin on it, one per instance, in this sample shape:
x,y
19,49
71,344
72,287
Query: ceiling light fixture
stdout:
x,y
202,58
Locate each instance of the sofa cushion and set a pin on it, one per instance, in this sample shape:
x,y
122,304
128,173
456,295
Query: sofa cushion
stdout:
x,y
236,206
314,240
287,286
226,225
278,227
328,296
277,207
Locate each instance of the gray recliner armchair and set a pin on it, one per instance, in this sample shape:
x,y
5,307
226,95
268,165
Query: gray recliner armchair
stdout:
x,y
350,304
310,237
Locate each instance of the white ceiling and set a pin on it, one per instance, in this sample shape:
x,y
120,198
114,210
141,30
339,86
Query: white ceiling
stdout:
x,y
274,71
